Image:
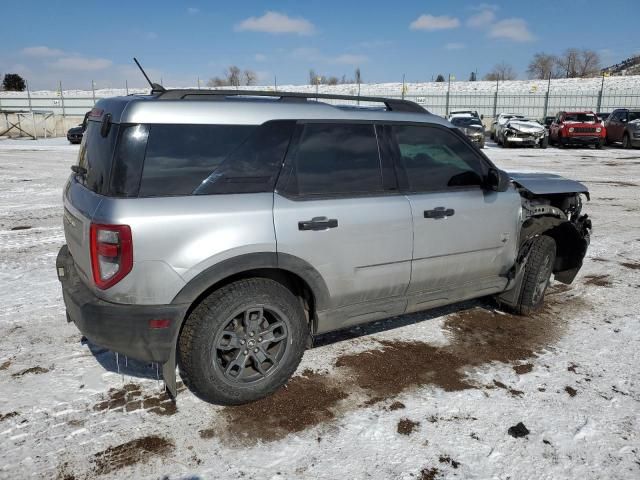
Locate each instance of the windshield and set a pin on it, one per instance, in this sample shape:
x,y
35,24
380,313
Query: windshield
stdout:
x,y
580,117
466,121
634,116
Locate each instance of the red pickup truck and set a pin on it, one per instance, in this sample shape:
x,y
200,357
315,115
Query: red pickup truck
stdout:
x,y
577,128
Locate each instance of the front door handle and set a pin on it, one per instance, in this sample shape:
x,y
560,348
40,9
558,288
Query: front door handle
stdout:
x,y
439,212
318,223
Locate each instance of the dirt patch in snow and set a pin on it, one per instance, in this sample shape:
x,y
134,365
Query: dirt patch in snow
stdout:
x,y
5,365
396,406
512,391
406,426
631,265
523,369
571,391
4,416
130,397
449,460
305,401
478,336
598,280
130,453
32,370
429,474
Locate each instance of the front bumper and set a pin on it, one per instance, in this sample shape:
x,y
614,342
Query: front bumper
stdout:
x,y
118,327
528,141
582,140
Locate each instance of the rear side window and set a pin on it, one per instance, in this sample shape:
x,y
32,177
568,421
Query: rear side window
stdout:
x,y
436,159
96,154
253,166
180,157
336,159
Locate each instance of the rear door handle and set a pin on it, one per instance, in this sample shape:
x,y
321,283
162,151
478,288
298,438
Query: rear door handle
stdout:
x,y
439,212
318,223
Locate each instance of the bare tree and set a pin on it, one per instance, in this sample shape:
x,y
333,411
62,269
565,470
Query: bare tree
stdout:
x,y
574,63
543,66
589,63
501,71
568,63
217,82
233,75
358,78
440,78
250,77
331,81
313,77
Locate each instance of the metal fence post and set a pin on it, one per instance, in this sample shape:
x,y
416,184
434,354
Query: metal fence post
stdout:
x,y
126,87
93,91
446,107
546,99
495,100
599,107
33,117
64,114
403,87
29,97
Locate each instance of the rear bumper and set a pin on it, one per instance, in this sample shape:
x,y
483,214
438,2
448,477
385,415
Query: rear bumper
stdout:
x,y
118,327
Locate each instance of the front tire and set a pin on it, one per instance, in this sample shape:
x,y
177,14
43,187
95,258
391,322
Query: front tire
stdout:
x,y
626,142
544,143
537,273
242,342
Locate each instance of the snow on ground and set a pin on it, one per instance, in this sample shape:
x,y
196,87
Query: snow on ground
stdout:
x,y
429,395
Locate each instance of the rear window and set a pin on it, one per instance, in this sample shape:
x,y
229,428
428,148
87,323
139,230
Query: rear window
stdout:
x,y
96,154
180,157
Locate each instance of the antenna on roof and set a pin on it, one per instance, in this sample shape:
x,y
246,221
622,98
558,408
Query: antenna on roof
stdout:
x,y
155,88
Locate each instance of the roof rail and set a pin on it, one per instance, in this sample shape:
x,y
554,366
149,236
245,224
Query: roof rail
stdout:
x,y
392,104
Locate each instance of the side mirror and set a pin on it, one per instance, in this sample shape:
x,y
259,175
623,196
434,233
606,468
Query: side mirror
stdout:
x,y
497,180
623,120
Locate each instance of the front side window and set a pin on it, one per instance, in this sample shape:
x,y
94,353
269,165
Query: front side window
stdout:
x,y
336,159
436,159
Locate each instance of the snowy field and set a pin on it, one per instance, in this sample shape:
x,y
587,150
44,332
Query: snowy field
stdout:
x,y
425,396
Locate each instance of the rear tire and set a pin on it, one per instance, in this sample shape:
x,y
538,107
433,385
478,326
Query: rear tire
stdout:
x,y
537,273
242,342
626,141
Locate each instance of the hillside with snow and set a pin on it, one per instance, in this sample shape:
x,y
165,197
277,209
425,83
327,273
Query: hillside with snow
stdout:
x,y
620,84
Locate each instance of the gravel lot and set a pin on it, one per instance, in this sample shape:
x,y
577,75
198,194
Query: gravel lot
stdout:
x,y
429,395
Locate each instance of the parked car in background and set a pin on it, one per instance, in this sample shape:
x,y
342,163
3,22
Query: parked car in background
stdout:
x,y
547,121
464,113
74,134
522,131
623,125
499,122
603,116
472,128
577,128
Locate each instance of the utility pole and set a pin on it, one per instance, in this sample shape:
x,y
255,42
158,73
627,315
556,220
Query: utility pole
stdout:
x,y
403,86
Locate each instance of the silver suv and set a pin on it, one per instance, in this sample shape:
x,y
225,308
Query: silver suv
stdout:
x,y
220,231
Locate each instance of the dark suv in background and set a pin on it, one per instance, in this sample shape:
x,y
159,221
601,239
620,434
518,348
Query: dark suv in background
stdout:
x,y
623,125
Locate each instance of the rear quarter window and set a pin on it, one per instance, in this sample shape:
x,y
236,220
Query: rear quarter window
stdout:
x,y
96,155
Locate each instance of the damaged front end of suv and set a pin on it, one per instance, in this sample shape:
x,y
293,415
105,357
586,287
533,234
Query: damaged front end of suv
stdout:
x,y
551,206
525,132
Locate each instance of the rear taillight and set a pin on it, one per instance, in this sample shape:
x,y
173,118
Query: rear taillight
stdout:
x,y
111,253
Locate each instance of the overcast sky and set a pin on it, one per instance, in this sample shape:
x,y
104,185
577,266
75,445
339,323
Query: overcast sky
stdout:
x,y
76,42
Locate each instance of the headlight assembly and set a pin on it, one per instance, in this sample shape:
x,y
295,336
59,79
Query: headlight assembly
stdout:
x,y
598,130
570,129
